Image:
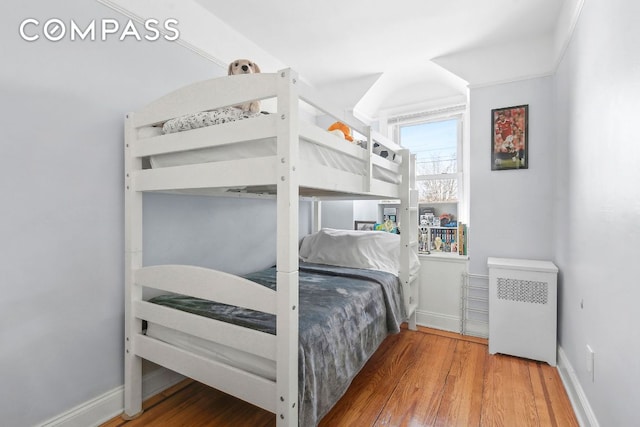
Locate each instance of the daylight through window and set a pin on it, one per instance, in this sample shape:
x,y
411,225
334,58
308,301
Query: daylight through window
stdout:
x,y
437,145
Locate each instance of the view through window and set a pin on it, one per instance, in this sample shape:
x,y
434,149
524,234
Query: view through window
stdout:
x,y
436,145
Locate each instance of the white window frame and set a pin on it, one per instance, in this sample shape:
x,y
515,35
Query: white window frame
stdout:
x,y
456,112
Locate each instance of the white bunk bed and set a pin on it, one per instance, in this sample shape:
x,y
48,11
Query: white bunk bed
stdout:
x,y
286,174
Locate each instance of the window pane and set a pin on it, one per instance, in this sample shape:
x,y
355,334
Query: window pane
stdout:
x,y
435,145
437,190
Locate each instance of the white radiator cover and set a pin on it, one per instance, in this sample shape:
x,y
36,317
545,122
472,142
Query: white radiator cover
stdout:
x,y
523,308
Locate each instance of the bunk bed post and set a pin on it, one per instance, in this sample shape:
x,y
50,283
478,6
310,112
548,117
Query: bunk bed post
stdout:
x,y
409,236
317,215
287,250
368,173
133,261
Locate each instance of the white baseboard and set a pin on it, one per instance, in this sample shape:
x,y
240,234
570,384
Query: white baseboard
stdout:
x,y
451,323
101,409
441,321
581,407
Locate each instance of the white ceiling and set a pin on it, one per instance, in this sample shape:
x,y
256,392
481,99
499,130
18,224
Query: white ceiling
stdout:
x,y
379,56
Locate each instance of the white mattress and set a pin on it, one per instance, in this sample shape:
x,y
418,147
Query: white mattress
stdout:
x,y
264,148
221,353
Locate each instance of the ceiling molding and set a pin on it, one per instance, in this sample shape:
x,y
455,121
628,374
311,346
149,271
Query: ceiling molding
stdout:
x,y
127,11
486,66
512,80
403,86
200,31
565,26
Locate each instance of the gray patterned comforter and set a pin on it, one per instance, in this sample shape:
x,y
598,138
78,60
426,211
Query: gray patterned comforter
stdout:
x,y
345,314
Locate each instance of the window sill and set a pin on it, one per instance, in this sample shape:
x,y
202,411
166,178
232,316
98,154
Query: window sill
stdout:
x,y
443,255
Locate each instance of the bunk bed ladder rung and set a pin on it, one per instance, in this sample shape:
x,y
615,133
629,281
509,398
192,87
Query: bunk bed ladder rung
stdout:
x,y
251,388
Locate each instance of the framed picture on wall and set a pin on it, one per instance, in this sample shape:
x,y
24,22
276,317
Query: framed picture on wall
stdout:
x,y
364,225
510,138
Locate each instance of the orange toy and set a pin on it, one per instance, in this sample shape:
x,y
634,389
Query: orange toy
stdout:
x,y
342,128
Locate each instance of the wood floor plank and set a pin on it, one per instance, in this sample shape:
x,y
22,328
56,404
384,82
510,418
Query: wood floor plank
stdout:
x,y
541,396
525,410
508,396
371,388
462,399
423,378
559,405
203,406
152,401
493,410
417,397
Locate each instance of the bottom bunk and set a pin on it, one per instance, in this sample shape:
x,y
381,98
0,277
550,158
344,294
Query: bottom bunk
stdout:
x,y
345,314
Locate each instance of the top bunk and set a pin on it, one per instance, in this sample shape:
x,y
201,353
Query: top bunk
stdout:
x,y
194,141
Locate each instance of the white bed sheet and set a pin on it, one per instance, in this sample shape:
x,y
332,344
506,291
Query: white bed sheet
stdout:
x,y
267,147
263,148
214,351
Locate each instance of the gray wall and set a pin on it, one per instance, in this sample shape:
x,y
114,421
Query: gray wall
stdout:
x,y
62,109
62,106
598,206
511,211
578,204
337,214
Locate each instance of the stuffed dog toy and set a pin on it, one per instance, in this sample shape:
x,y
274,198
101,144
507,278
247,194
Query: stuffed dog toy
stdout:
x,y
244,66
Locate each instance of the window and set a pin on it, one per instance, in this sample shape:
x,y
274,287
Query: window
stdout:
x,y
436,139
437,145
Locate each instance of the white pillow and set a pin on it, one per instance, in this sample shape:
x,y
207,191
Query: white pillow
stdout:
x,y
372,250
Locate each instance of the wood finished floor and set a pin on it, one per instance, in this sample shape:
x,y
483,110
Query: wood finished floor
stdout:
x,y
423,378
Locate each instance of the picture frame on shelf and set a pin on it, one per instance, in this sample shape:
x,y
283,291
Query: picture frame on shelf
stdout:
x,y
363,225
510,138
390,211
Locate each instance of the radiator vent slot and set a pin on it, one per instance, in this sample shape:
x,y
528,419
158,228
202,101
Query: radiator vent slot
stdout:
x,y
528,291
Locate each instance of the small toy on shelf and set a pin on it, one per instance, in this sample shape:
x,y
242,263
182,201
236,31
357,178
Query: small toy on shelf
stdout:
x,y
388,226
438,243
